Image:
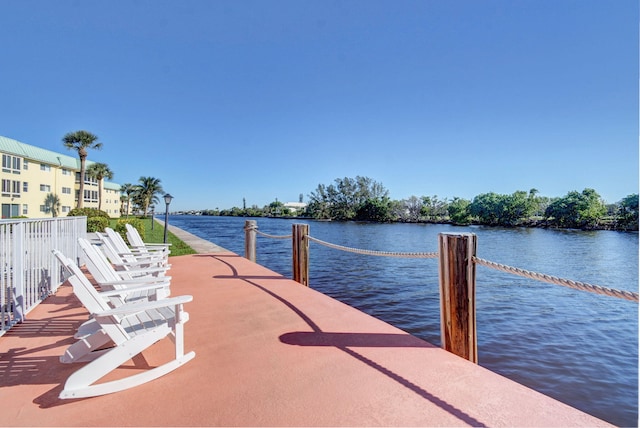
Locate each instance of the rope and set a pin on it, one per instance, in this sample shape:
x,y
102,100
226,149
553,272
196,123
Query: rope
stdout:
x,y
577,285
622,294
374,253
266,235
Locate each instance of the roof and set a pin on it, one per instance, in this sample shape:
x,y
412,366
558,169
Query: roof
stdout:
x,y
15,147
295,204
33,153
111,186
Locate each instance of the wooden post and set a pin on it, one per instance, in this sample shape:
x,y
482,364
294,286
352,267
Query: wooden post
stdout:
x,y
250,227
300,247
458,294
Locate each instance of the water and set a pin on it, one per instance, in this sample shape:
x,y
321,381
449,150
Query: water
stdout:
x,y
577,347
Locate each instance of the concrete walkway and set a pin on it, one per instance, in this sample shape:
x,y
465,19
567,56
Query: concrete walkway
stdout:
x,y
269,352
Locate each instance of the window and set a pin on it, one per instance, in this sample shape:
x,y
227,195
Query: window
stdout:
x,y
66,208
11,187
25,164
66,171
43,209
45,188
25,186
44,167
25,209
66,190
90,195
11,164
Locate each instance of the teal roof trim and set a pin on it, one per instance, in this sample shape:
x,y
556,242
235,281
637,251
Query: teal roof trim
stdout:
x,y
33,153
111,186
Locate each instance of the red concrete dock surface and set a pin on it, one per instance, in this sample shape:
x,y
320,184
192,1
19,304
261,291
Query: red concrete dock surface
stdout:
x,y
269,352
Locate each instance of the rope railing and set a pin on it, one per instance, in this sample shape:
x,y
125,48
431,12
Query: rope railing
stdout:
x,y
457,279
374,253
577,285
266,235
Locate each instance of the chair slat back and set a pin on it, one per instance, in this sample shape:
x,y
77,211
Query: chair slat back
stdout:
x,y
110,251
91,299
97,260
134,236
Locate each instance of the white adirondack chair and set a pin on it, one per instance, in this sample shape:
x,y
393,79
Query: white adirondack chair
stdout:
x,y
133,254
136,241
130,329
115,297
124,260
109,279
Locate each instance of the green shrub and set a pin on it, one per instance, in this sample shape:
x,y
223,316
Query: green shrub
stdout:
x,y
135,222
89,212
97,224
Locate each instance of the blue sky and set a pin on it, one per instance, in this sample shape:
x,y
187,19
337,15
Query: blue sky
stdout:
x,y
225,100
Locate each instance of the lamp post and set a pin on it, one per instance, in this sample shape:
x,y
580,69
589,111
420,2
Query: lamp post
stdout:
x,y
153,215
167,200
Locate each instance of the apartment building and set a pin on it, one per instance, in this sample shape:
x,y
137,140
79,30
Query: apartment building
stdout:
x,y
30,173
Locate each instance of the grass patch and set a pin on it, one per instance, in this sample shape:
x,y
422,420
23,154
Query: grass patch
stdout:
x,y
156,235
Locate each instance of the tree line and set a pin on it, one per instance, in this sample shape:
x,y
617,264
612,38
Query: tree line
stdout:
x,y
364,199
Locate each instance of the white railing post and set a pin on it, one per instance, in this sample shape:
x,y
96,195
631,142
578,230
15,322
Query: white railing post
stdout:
x,y
28,271
17,271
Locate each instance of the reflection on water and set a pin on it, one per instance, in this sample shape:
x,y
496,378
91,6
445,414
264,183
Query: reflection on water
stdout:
x,y
577,347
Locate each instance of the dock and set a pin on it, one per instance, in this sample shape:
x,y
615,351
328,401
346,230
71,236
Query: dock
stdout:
x,y
269,352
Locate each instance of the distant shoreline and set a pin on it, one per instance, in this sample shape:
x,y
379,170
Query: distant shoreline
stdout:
x,y
531,224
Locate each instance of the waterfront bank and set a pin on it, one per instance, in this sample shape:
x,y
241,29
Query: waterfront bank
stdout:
x,y
269,352
575,346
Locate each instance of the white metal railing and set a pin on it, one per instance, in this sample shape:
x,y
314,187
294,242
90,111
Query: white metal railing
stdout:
x,y
28,271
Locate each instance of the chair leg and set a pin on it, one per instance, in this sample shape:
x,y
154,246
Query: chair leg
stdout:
x,y
81,383
128,382
86,348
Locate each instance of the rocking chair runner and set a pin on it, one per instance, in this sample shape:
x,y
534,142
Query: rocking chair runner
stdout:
x,y
131,328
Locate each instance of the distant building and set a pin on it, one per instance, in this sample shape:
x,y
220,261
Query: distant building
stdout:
x,y
30,173
295,207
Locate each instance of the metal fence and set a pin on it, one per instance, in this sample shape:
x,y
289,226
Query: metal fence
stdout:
x,y
28,271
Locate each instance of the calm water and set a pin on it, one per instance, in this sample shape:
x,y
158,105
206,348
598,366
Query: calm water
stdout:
x,y
577,347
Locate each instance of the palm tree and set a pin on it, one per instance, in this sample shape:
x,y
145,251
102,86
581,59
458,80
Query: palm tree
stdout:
x,y
148,189
80,141
128,189
99,171
124,202
52,204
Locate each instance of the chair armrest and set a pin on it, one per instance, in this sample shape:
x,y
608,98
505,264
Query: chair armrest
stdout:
x,y
129,290
134,307
140,281
149,270
144,256
144,249
153,245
